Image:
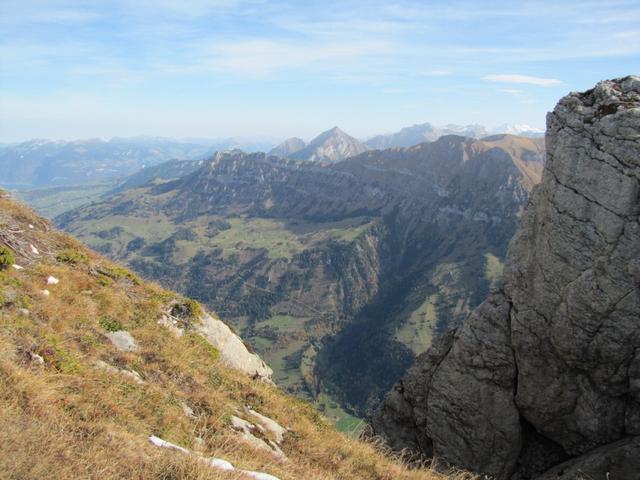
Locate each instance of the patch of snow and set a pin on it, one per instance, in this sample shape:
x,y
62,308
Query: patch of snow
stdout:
x,y
31,227
34,250
17,267
52,280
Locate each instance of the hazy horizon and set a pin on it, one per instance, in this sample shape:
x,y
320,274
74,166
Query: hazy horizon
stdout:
x,y
232,68
275,139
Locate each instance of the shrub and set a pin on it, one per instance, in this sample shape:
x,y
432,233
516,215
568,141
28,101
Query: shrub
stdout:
x,y
117,273
65,362
195,310
7,257
56,356
73,256
187,310
111,324
24,301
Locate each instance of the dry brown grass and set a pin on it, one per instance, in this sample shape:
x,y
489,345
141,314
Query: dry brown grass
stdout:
x,y
68,419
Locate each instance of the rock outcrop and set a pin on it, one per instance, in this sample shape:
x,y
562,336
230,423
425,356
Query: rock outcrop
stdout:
x,y
545,374
233,351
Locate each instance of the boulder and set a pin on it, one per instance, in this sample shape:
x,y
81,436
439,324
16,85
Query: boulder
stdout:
x,y
123,341
233,351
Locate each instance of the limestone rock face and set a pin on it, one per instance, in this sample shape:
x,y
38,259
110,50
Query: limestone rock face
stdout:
x,y
548,369
233,351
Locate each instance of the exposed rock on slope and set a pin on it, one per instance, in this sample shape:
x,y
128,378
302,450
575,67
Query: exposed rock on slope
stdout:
x,y
548,370
232,349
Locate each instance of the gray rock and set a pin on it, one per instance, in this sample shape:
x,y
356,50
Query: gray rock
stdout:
x,y
269,425
130,374
246,431
233,352
188,411
123,341
552,364
35,358
619,460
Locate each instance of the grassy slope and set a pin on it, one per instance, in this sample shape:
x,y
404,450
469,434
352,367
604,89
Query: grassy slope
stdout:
x,y
67,419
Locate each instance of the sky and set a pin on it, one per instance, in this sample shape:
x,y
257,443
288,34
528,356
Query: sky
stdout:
x,y
220,68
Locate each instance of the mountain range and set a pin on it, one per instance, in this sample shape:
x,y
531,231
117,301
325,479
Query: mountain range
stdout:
x,y
332,271
428,133
46,163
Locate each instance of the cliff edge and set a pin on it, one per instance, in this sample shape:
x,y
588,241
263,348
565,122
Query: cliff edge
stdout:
x,y
544,376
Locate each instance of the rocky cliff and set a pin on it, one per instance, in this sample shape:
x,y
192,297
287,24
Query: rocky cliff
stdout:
x,y
545,374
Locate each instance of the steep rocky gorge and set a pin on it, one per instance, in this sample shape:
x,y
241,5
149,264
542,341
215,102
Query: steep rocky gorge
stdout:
x,y
545,374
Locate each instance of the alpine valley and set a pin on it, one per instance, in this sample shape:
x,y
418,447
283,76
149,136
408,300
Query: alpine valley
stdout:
x,y
338,272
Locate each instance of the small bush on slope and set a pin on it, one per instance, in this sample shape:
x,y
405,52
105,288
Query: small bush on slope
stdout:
x,y
72,255
64,418
7,258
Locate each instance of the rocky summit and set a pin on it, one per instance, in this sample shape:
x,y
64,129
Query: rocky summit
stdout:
x,y
543,379
328,147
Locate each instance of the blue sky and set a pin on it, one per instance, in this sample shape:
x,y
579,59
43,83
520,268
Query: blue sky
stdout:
x,y
217,68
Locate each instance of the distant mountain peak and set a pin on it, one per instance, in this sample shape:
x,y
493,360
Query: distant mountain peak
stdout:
x,y
288,147
331,146
518,129
423,132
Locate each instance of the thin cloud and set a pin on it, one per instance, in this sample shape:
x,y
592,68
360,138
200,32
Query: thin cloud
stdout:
x,y
511,91
435,73
523,79
264,57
